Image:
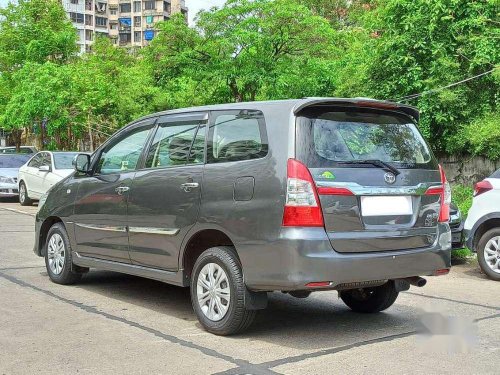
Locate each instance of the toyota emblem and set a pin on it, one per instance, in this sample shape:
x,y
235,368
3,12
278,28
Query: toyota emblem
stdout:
x,y
390,178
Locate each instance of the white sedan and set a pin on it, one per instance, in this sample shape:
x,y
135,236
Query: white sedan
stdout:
x,y
482,227
41,172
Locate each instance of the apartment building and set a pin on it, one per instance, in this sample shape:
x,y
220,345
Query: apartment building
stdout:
x,y
128,23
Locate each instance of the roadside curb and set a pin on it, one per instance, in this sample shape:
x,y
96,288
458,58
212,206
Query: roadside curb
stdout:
x,y
17,211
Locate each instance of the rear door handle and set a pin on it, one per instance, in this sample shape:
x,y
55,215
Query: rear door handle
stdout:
x,y
189,185
122,189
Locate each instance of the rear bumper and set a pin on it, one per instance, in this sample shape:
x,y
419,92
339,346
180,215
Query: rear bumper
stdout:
x,y
304,255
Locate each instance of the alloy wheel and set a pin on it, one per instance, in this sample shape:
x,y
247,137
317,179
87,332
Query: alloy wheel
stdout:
x,y
213,291
56,252
492,254
22,193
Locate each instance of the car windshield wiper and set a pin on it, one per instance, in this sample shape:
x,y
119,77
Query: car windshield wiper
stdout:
x,y
375,162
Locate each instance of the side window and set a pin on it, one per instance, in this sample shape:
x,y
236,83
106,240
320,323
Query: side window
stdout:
x,y
174,141
35,161
237,135
123,155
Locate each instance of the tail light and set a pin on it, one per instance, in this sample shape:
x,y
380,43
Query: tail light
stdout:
x,y
302,208
482,187
444,213
444,191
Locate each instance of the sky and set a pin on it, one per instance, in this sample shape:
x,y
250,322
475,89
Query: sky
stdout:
x,y
193,5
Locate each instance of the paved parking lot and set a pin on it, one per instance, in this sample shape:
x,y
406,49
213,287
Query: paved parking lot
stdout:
x,y
112,323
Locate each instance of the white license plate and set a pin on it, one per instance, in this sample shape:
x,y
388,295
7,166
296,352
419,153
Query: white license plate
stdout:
x,y
386,206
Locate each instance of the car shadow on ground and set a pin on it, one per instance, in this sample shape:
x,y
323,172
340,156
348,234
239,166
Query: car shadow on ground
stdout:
x,y
319,321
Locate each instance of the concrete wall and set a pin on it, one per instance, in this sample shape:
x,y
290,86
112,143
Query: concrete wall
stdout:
x,y
468,170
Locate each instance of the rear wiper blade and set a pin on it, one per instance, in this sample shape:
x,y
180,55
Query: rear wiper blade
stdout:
x,y
375,162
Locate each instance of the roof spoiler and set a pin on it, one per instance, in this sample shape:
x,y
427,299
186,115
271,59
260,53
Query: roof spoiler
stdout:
x,y
359,102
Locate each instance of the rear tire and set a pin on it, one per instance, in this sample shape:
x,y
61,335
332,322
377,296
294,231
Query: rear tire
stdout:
x,y
24,200
218,292
370,300
58,259
488,256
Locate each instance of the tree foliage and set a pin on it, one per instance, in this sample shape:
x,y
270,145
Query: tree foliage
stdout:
x,y
258,50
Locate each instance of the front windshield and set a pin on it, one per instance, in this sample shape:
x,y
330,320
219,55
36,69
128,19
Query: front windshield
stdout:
x,y
327,137
13,161
64,160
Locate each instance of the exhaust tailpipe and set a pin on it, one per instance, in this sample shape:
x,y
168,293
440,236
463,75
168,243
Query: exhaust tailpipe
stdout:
x,y
417,281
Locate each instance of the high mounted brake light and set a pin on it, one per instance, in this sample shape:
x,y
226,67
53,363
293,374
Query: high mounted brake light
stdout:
x,y
302,208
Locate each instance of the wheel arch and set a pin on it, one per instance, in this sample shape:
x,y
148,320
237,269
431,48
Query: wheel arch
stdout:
x,y
44,231
484,224
199,241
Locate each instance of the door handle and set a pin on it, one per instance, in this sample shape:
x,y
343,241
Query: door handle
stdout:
x,y
189,185
122,189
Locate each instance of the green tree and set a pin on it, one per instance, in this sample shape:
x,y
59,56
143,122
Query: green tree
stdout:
x,y
245,50
427,44
40,100
35,31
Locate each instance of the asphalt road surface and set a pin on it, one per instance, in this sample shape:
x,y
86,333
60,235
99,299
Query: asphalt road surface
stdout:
x,y
119,324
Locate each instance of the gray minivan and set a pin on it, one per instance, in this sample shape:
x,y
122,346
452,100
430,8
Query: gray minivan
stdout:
x,y
238,200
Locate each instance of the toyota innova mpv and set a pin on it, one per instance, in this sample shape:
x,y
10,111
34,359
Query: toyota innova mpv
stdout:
x,y
239,200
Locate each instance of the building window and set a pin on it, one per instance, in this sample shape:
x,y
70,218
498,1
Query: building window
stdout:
x,y
89,34
167,7
88,4
113,26
149,20
125,38
76,17
112,11
137,36
137,21
100,7
88,20
149,5
74,2
125,8
101,21
137,6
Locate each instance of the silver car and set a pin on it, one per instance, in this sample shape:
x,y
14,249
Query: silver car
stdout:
x,y
9,168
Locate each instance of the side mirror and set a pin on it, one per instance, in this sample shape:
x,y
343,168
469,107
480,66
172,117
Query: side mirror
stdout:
x,y
81,163
44,168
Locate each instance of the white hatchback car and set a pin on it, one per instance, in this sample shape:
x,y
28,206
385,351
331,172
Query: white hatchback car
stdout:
x,y
482,227
41,172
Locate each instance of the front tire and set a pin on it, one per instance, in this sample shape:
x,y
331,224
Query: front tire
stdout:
x,y
488,253
218,292
58,259
370,300
24,200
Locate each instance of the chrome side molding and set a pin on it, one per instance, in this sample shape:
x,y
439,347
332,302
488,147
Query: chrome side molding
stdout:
x,y
151,230
106,228
124,229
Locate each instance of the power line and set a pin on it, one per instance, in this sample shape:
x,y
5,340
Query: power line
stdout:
x,y
414,96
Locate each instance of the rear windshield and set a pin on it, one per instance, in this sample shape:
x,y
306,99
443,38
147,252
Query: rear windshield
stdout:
x,y
13,161
327,137
64,160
